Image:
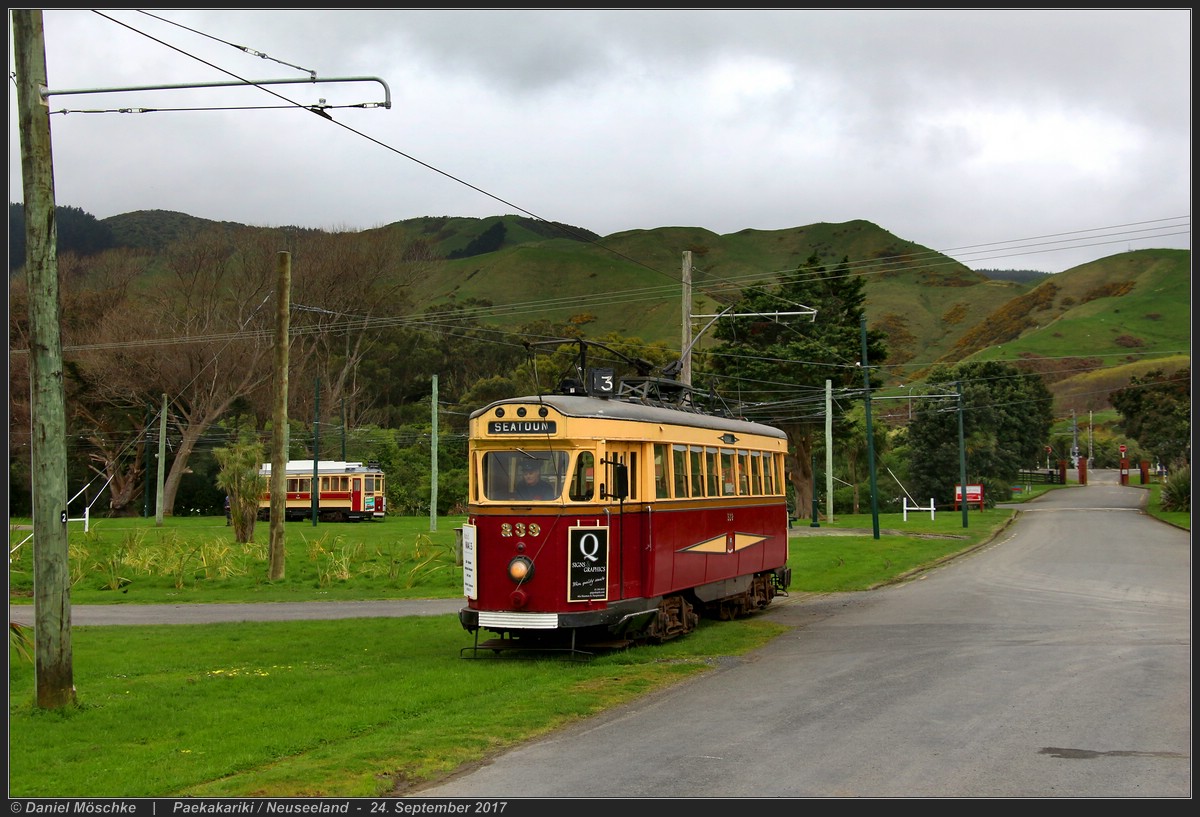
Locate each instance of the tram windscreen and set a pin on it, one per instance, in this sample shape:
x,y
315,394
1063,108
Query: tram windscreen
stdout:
x,y
524,475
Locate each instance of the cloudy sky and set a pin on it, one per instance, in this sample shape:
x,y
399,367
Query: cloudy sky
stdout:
x,y
1027,139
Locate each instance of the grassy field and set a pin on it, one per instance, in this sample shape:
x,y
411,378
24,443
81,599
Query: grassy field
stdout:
x,y
349,708
196,560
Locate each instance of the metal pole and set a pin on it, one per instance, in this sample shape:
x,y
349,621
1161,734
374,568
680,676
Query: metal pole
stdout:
x,y
148,491
315,492
685,374
279,433
433,459
829,450
962,454
162,463
870,431
812,464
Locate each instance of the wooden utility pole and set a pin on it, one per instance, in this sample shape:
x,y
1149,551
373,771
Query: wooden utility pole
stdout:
x,y
51,570
279,431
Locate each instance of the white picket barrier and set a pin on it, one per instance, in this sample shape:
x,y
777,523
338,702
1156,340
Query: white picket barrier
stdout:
x,y
931,508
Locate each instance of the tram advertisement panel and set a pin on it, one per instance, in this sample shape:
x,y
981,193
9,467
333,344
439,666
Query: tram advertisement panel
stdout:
x,y
468,560
587,575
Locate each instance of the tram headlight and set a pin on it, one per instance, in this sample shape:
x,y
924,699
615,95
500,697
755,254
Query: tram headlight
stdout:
x,y
520,569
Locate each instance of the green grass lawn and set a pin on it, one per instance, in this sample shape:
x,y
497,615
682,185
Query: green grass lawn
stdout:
x,y
196,559
352,707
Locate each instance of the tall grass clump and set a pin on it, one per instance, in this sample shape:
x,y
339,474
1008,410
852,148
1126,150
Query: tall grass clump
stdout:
x,y
1177,491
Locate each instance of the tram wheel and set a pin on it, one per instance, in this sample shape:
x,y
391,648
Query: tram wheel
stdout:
x,y
676,617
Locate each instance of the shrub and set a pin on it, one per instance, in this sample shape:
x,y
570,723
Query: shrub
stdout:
x,y
995,490
1177,491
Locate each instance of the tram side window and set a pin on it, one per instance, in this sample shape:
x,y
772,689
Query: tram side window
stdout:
x,y
713,474
662,475
633,475
727,472
583,480
769,473
696,456
756,473
743,473
679,467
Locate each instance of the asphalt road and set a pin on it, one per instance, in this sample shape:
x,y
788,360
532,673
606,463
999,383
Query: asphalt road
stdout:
x,y
1053,663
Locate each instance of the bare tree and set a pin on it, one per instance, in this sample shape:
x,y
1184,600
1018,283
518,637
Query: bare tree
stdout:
x,y
199,333
346,288
91,288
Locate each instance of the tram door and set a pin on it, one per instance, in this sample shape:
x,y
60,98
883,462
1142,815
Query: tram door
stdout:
x,y
356,494
623,486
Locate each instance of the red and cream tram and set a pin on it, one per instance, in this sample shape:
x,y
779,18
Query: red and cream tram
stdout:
x,y
606,515
346,492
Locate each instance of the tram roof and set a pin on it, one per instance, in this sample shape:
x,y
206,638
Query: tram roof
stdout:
x,y
323,467
571,405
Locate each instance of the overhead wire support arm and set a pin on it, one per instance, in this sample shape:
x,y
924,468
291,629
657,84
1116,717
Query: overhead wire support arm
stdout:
x,y
387,93
812,313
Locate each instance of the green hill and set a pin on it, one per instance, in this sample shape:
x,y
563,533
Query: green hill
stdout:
x,y
1087,329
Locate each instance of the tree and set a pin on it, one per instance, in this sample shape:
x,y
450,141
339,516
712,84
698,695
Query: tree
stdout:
x,y
78,232
90,289
347,289
242,482
1007,417
777,364
853,450
1156,411
199,334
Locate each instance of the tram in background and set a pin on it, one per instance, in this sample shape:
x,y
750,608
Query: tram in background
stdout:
x,y
347,491
617,513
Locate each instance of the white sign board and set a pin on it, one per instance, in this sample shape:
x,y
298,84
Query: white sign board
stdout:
x,y
468,554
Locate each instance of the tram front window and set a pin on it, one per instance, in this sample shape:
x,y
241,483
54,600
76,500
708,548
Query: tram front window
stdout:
x,y
523,475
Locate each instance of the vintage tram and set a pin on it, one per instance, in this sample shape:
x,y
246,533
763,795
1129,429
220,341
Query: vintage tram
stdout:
x,y
346,491
617,513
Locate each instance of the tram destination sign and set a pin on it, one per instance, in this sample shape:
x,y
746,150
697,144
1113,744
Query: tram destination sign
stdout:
x,y
522,427
587,570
